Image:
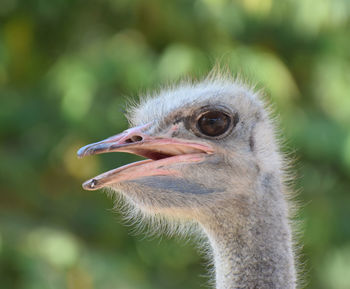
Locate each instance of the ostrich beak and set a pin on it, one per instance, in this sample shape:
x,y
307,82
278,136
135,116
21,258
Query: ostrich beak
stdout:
x,y
161,152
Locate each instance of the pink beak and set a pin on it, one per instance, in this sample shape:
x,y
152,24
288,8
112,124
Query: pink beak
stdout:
x,y
161,153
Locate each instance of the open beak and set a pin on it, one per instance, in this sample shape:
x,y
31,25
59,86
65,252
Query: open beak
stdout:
x,y
160,153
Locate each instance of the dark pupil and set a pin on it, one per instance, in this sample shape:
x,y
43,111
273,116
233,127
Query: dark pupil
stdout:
x,y
214,123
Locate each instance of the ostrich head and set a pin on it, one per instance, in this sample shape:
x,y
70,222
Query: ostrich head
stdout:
x,y
211,157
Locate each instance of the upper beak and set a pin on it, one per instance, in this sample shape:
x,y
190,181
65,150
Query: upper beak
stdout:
x,y
162,150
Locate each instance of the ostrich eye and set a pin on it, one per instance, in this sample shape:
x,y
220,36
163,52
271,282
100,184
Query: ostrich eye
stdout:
x,y
213,123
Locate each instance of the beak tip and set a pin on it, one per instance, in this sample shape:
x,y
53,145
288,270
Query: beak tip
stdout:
x,y
81,152
90,185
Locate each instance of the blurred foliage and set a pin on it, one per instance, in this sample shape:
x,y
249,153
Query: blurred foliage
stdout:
x,y
66,67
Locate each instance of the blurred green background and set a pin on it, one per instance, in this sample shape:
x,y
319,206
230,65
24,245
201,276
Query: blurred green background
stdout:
x,y
67,68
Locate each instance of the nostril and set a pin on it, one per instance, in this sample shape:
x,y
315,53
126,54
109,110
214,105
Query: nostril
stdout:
x,y
136,138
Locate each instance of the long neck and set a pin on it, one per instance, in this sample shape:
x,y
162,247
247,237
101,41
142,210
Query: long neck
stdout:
x,y
252,247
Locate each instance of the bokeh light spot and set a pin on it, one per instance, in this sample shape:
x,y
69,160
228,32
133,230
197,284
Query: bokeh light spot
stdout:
x,y
77,85
176,61
259,7
336,268
57,247
331,83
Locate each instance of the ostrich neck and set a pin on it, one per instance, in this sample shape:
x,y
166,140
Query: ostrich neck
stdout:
x,y
252,248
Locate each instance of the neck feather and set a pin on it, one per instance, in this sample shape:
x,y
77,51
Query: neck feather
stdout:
x,y
252,248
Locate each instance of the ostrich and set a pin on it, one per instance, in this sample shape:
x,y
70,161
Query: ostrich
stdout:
x,y
212,158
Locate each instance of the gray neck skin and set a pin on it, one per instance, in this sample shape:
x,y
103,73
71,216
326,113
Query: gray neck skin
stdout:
x,y
252,248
